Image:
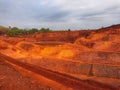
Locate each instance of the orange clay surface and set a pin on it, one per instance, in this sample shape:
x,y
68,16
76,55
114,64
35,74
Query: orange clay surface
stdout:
x,y
91,53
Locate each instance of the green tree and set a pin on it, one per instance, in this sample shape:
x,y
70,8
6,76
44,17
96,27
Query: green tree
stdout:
x,y
45,30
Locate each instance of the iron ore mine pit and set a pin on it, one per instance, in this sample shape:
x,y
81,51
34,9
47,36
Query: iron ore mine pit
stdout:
x,y
62,60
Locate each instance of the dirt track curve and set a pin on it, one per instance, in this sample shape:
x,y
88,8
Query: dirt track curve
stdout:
x,y
64,79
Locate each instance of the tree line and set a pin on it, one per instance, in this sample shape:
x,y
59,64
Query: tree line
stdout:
x,y
14,31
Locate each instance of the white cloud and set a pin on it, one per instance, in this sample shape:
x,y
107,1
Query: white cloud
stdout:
x,y
60,14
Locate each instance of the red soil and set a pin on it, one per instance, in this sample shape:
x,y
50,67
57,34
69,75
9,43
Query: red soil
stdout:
x,y
76,53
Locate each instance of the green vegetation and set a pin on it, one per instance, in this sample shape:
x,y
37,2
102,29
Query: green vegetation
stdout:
x,y
15,31
45,30
18,32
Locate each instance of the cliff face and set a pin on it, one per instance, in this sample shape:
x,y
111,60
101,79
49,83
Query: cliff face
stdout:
x,y
106,39
64,36
85,37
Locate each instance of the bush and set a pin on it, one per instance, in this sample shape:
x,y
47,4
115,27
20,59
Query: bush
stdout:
x,y
45,30
17,32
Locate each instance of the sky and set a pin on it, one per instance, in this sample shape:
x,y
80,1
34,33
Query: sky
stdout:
x,y
59,14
